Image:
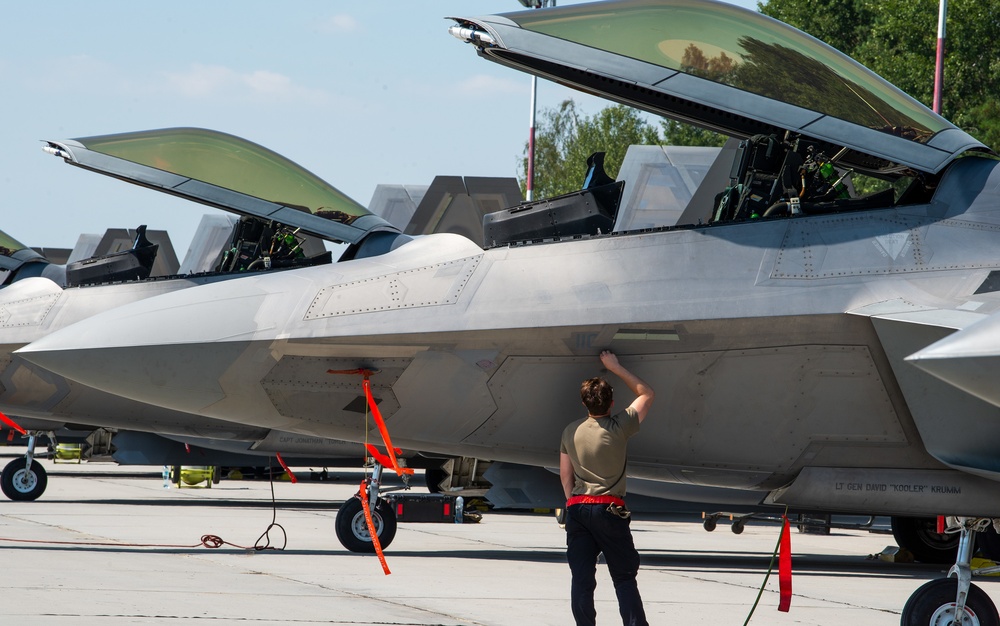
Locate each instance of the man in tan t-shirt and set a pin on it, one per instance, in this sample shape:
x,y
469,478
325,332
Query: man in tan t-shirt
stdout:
x,y
592,457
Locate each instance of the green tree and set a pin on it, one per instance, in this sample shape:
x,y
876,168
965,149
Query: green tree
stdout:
x,y
564,138
680,134
843,24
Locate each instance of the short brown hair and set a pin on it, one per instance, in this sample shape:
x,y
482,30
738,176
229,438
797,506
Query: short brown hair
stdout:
x,y
597,396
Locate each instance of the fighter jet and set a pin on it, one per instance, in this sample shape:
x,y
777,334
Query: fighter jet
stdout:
x,y
779,319
39,295
101,272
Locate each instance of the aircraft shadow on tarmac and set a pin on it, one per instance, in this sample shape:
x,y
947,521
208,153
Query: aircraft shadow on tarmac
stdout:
x,y
234,504
690,562
711,562
849,566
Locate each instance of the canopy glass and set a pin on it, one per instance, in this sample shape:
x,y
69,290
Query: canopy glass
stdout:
x,y
743,49
232,163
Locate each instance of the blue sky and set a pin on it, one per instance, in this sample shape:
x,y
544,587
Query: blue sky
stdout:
x,y
359,93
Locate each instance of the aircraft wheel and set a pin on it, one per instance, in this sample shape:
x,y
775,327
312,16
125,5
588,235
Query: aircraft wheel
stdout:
x,y
19,483
433,477
738,526
352,528
709,524
934,605
988,544
919,535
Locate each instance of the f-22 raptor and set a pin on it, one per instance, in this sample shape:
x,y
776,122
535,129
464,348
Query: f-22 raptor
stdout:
x,y
820,326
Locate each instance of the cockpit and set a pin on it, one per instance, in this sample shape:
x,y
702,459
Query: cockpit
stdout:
x,y
817,132
283,208
772,177
14,255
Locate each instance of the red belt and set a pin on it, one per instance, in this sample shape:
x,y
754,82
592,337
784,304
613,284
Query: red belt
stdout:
x,y
595,500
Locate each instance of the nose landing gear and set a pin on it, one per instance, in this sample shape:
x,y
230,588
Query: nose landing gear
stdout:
x,y
24,479
954,601
351,525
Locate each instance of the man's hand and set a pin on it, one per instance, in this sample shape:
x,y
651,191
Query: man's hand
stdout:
x,y
610,361
639,387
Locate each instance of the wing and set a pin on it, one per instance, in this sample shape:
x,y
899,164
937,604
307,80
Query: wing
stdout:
x,y
944,361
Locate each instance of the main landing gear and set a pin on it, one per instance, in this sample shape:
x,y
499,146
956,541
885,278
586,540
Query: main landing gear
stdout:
x,y
351,524
920,537
24,479
955,601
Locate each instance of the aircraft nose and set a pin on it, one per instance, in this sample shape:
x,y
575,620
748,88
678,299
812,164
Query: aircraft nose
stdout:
x,y
180,377
173,350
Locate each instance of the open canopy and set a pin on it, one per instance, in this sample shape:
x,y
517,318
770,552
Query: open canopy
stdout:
x,y
225,172
725,68
14,254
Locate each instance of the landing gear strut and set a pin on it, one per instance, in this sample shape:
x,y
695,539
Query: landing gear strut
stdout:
x,y
352,527
954,601
24,479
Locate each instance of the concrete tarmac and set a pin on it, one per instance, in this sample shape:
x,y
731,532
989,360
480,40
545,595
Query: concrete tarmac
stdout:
x,y
105,545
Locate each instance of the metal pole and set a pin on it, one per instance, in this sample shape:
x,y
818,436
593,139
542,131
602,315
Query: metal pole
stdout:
x,y
939,64
529,184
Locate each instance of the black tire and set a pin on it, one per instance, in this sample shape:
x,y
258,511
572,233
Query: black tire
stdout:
x,y
352,527
433,477
988,544
929,606
23,485
919,535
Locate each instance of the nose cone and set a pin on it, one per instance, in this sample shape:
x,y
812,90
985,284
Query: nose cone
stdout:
x,y
968,359
171,350
180,377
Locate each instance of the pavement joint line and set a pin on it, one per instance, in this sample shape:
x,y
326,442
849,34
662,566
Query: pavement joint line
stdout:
x,y
795,596
228,619
354,594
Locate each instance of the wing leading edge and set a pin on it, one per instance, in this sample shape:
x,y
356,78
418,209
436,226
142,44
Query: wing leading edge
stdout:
x,y
955,414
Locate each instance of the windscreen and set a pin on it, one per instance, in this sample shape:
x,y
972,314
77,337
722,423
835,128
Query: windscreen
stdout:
x,y
232,163
742,49
9,245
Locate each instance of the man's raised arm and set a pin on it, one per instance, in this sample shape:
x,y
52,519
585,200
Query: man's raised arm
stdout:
x,y
644,393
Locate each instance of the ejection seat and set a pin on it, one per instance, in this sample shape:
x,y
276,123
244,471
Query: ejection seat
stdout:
x,y
133,264
590,211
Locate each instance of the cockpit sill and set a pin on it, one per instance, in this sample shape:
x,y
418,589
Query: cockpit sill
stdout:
x,y
255,246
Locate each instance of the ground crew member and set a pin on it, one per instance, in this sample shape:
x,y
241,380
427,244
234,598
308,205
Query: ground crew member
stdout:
x,y
592,458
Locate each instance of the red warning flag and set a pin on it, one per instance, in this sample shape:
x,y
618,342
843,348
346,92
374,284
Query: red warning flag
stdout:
x,y
389,458
12,424
363,495
785,567
284,466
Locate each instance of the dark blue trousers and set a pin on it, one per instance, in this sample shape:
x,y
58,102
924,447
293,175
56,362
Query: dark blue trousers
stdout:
x,y
591,530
